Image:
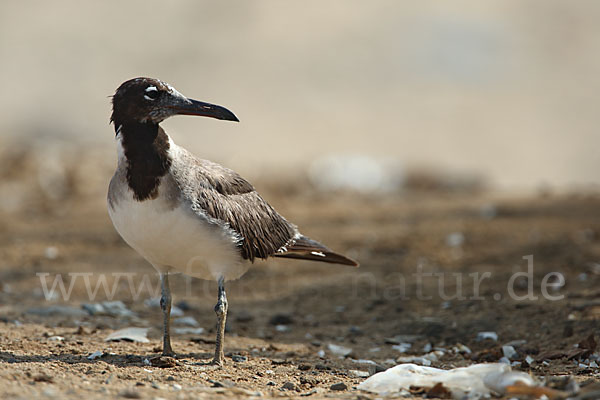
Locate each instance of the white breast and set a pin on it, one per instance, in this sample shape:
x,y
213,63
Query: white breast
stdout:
x,y
167,233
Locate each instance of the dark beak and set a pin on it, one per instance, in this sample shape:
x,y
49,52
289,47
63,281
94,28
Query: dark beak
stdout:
x,y
202,109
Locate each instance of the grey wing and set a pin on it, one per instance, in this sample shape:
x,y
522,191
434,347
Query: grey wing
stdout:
x,y
228,199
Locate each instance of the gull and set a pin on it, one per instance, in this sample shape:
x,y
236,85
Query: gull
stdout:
x,y
189,215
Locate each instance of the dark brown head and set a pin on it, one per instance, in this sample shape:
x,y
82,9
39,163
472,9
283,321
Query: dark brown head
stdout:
x,y
148,100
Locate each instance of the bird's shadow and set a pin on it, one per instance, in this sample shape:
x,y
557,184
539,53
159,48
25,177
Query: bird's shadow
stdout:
x,y
120,360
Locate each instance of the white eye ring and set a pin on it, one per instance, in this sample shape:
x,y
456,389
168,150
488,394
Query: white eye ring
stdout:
x,y
153,90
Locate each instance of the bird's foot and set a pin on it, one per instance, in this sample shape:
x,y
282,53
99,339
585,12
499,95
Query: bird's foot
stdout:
x,y
218,361
168,351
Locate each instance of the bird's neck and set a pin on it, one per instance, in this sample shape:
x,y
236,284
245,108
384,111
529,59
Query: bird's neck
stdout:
x,y
145,152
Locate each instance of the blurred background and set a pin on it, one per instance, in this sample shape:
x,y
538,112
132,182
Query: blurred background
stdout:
x,y
453,137
503,90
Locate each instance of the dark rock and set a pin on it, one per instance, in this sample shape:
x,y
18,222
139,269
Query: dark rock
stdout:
x,y
184,306
239,358
304,367
281,319
289,386
226,383
339,386
163,362
244,316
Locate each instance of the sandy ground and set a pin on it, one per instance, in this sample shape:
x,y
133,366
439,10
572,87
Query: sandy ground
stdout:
x,y
284,315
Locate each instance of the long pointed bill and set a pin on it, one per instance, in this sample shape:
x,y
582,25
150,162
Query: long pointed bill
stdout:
x,y
202,109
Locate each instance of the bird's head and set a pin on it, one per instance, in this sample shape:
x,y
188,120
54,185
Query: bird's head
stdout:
x,y
148,100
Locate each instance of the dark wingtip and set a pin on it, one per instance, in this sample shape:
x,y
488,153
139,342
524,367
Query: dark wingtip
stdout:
x,y
305,248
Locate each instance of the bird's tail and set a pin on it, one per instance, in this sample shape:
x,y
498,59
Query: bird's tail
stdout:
x,y
304,248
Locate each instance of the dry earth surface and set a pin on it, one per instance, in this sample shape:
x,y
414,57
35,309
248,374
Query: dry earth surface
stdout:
x,y
284,315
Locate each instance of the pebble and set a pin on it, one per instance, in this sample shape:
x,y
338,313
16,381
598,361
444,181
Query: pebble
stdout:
x,y
529,360
177,386
455,239
244,316
226,383
163,362
339,350
509,352
51,253
516,343
112,308
188,330
282,328
402,338
189,321
130,394
281,319
461,349
402,347
339,386
239,358
304,367
359,374
415,359
96,354
289,386
65,311
131,334
487,335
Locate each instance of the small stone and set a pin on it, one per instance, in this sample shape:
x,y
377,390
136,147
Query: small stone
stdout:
x,y
509,352
111,308
244,316
339,350
189,321
177,386
304,367
51,253
163,362
282,328
130,394
529,360
129,334
170,378
226,383
239,358
63,311
289,386
359,374
402,347
96,354
339,386
184,306
487,335
43,378
281,319
188,330
455,239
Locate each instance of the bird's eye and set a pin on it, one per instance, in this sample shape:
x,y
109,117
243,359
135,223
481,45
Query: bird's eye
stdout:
x,y
151,93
